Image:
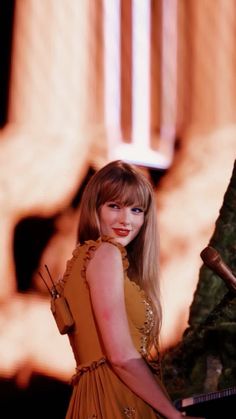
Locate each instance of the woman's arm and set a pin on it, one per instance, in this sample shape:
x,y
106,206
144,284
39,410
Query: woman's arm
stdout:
x,y
106,283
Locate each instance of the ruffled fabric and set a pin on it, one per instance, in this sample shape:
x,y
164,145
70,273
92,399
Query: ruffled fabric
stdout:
x,y
70,262
91,247
101,394
138,288
82,369
61,282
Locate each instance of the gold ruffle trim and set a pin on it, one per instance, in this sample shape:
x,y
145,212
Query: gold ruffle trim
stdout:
x,y
83,368
91,245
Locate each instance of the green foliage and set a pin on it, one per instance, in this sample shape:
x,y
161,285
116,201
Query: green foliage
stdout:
x,y
205,358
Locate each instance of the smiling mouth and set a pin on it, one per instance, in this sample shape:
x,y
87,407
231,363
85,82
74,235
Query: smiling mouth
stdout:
x,y
121,232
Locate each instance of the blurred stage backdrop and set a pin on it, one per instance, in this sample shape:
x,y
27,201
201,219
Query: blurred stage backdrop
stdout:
x,y
83,82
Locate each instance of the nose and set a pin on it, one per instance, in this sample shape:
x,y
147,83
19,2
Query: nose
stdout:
x,y
125,216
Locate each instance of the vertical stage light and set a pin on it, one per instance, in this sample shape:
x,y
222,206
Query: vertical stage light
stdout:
x,y
139,149
112,88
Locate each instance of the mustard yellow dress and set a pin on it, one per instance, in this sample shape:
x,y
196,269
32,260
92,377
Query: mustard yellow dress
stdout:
x,y
97,390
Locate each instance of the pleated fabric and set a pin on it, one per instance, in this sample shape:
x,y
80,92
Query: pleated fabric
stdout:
x,y
100,394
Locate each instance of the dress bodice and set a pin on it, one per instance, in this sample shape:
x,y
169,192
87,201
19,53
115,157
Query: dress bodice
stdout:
x,y
85,339
97,390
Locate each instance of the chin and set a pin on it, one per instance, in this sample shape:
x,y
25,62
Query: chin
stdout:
x,y
122,240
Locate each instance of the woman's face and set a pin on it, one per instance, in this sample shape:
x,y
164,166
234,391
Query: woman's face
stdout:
x,y
120,222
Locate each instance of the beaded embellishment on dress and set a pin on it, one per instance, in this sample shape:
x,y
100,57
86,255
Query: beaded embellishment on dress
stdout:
x,y
129,412
146,328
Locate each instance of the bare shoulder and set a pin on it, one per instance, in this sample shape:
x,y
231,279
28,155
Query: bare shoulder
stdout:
x,y
107,258
109,248
107,252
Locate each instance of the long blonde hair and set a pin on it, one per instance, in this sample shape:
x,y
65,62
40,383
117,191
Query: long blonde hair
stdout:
x,y
121,182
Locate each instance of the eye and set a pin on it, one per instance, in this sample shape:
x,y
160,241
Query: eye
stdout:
x,y
137,210
113,205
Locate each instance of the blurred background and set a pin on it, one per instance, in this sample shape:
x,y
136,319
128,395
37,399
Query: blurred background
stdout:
x,y
83,82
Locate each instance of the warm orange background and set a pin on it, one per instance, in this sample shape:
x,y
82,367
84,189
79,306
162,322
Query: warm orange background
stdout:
x,y
65,116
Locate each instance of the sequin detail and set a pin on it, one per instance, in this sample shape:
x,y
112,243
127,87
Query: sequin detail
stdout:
x,y
155,367
147,328
129,412
82,369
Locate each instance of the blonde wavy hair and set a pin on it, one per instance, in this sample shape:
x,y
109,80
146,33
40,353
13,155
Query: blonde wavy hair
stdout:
x,y
120,182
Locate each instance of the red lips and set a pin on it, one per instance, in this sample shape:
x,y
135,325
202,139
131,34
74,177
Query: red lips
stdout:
x,y
121,232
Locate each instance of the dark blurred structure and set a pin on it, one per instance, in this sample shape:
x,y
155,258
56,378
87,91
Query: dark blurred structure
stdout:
x,y
43,398
34,234
6,29
204,361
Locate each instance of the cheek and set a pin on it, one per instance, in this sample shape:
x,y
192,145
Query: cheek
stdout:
x,y
141,221
106,218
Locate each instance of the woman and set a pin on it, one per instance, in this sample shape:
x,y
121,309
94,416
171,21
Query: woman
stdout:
x,y
111,286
